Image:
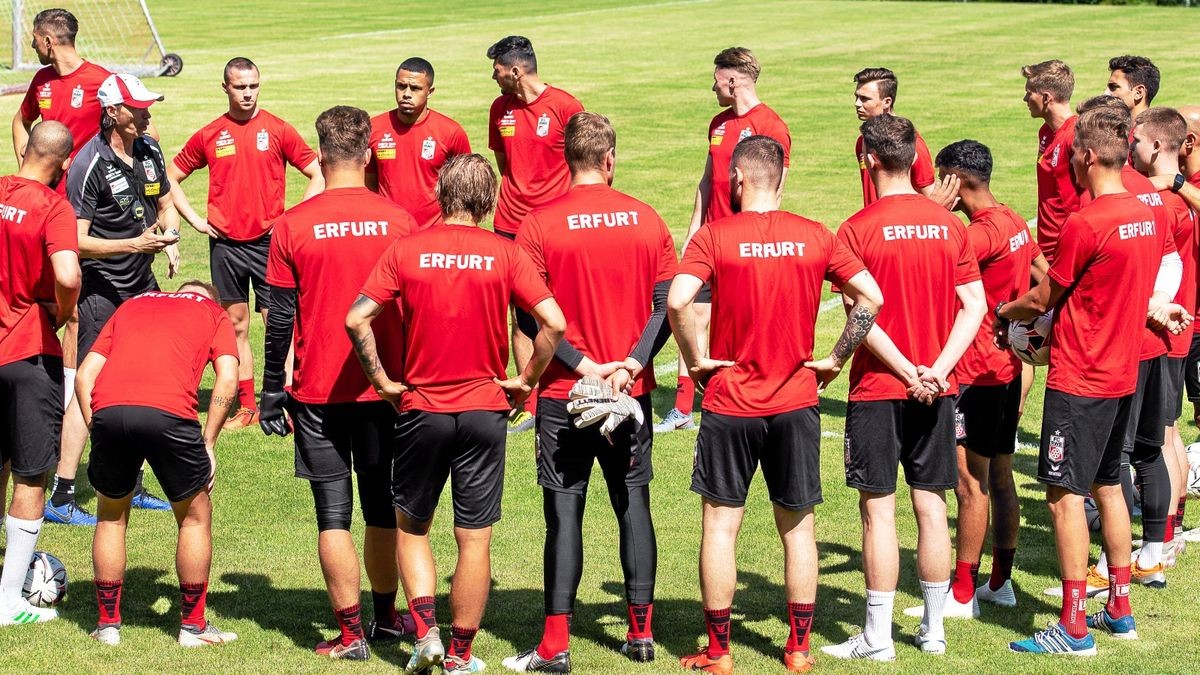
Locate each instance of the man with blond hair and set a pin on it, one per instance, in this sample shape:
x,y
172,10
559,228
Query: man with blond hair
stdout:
x,y
1048,89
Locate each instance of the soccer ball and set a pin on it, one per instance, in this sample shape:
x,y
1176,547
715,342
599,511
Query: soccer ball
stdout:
x,y
1030,340
1193,479
1091,513
46,580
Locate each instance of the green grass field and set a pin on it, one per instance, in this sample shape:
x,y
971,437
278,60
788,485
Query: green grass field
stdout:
x,y
647,65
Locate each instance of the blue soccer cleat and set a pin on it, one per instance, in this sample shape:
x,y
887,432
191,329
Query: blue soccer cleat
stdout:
x,y
1055,640
142,499
70,513
1123,628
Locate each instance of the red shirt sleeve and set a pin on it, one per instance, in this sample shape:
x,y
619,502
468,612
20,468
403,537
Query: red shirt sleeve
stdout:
x,y
667,262
280,270
922,170
383,285
62,231
29,104
967,268
224,343
529,239
494,141
699,259
528,289
982,243
781,134
191,157
1076,246
295,150
103,343
458,144
843,263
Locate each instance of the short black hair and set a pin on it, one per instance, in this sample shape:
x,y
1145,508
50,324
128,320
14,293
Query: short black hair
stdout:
x,y
58,22
237,63
1138,70
969,157
893,141
513,50
416,64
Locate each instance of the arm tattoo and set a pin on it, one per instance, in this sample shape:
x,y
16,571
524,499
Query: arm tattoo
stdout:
x,y
858,324
223,401
364,347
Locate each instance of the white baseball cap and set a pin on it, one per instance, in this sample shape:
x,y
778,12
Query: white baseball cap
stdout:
x,y
123,88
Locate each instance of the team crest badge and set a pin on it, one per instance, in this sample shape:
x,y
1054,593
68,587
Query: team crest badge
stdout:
x,y
148,167
746,133
262,141
1058,448
543,127
427,148
1054,157
77,97
960,425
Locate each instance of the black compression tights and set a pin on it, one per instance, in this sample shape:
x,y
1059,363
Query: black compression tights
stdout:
x,y
563,566
1154,483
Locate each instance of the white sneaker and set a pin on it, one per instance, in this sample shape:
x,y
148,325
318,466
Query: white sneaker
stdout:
x,y
1004,596
1190,535
23,613
930,644
108,635
953,609
211,635
857,648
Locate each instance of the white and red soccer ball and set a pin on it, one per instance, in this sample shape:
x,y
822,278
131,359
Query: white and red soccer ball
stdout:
x,y
1030,340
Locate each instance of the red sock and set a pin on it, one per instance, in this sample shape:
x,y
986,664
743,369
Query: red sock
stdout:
x,y
1118,592
531,403
717,621
191,605
108,599
460,642
1074,607
639,622
800,616
1002,564
423,614
963,583
1169,536
1179,510
684,395
556,635
350,621
246,394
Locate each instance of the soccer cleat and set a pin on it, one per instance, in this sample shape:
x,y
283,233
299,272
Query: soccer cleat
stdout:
x,y
1055,640
142,499
521,422
334,649
377,632
706,664
857,648
953,609
23,613
1192,535
107,635
674,421
639,650
427,652
209,635
930,644
1004,596
798,661
1171,551
453,664
70,513
1152,577
244,417
1097,586
530,661
1123,628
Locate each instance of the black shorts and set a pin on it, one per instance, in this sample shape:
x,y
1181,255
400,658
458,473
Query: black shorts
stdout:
x,y
1175,377
237,266
704,295
1150,405
883,434
31,412
95,309
1191,370
565,454
1082,439
333,438
466,447
986,416
124,436
729,450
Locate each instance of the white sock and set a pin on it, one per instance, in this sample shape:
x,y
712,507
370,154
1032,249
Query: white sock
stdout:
x,y
878,630
1151,554
1102,565
22,541
68,386
935,602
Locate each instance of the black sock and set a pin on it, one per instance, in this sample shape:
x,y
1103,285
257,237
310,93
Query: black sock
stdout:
x,y
385,608
137,488
64,491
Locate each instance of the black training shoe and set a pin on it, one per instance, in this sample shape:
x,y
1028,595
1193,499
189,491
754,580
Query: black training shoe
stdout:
x,y
639,650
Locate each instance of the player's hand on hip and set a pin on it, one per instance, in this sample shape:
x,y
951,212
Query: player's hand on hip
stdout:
x,y
392,392
516,390
271,416
827,370
705,368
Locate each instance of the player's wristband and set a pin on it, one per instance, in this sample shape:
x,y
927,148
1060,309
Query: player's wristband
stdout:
x,y
1178,184
996,311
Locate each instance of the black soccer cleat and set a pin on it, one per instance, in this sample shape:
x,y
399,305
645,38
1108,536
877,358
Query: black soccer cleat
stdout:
x,y
639,650
530,662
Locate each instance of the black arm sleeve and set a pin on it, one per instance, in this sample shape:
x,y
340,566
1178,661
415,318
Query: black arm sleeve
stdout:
x,y
565,352
657,330
281,312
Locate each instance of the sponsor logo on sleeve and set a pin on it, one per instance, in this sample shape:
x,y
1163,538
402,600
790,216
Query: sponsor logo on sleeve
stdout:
x,y
153,189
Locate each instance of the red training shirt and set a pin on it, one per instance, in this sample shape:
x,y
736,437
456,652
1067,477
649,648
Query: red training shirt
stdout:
x,y
1183,234
157,345
1005,251
922,170
35,223
918,253
70,99
1058,194
324,248
1109,253
601,252
725,131
406,159
454,284
247,170
531,136
766,271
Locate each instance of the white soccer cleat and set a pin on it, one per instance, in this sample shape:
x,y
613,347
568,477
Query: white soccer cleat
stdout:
x,y
857,648
1191,535
211,635
23,613
1004,596
108,635
930,644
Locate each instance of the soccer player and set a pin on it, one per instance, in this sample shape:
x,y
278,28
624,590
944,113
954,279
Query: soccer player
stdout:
x,y
762,383
525,131
735,77
987,410
125,211
138,414
321,252
452,403
591,238
875,95
902,387
1189,167
247,151
1134,80
411,143
1048,89
38,291
1108,256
